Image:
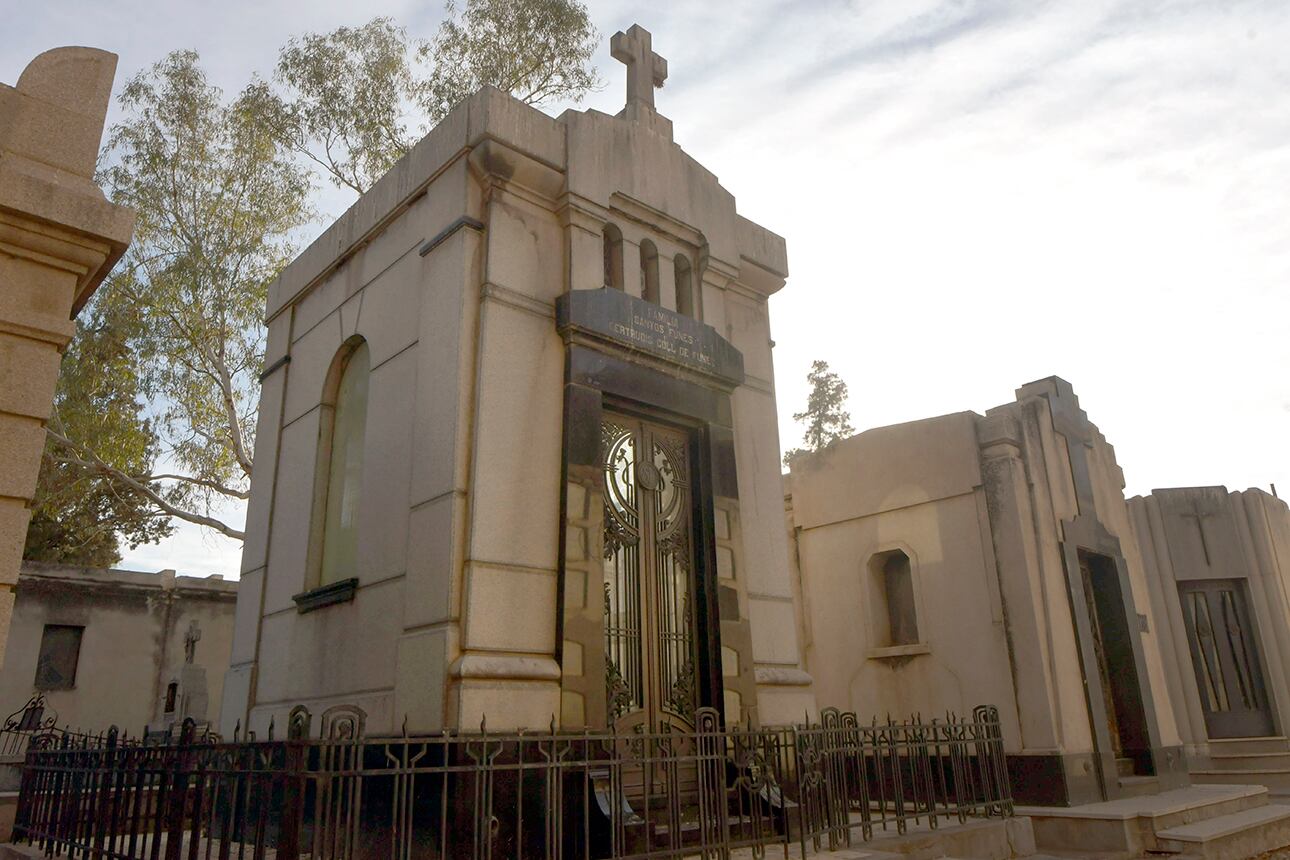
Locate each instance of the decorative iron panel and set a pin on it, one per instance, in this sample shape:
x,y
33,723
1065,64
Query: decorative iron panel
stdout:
x,y
649,617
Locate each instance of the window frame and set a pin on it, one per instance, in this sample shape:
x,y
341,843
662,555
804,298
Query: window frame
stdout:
x,y
319,593
879,606
76,658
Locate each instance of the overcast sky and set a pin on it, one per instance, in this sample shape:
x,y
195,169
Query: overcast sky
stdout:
x,y
974,194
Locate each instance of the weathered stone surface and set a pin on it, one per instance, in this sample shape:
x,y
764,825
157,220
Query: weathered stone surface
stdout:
x,y
134,644
59,238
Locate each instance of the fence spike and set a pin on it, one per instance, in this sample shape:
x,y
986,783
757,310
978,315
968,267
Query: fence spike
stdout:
x,y
405,727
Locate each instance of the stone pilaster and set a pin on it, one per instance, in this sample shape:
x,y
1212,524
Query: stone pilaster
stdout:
x,y
59,237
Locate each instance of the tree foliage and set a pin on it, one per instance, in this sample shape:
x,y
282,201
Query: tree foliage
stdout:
x,y
355,100
220,189
537,50
216,202
81,513
826,417
341,100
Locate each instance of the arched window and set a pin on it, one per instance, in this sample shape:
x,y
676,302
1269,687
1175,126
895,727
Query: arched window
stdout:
x,y
684,285
345,427
172,692
649,272
612,238
898,616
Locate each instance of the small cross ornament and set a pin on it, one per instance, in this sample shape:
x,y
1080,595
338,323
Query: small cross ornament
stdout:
x,y
1199,516
645,69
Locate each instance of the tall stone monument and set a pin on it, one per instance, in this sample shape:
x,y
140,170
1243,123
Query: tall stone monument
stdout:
x,y
59,237
519,439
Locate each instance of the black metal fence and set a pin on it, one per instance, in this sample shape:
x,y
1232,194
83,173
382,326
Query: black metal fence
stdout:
x,y
36,724
347,796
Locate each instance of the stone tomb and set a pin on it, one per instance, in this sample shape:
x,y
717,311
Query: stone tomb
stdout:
x,y
1215,563
59,238
973,559
120,648
517,451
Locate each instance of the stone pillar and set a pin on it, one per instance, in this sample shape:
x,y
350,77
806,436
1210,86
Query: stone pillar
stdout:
x,y
59,237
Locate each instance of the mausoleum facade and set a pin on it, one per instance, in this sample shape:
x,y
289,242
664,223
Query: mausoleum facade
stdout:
x,y
972,559
1216,565
517,457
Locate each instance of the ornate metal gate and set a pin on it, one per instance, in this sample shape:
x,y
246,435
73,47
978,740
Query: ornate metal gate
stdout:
x,y
649,619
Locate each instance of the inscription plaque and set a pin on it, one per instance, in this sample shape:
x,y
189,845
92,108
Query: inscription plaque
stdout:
x,y
611,315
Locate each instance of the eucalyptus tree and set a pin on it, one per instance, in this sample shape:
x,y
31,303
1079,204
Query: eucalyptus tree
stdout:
x,y
221,190
354,101
217,203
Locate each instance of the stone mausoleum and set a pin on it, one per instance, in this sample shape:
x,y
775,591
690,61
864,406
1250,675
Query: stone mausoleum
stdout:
x,y
1135,650
1218,564
975,558
103,647
517,457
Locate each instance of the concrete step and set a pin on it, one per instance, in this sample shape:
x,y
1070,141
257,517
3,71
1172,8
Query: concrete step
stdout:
x,y
1277,780
1230,837
1130,824
1243,761
1050,854
1138,786
1222,746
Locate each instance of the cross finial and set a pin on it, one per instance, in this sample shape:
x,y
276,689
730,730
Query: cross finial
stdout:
x,y
645,69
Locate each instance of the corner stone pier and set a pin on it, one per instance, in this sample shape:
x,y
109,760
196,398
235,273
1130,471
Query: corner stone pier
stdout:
x,y
59,237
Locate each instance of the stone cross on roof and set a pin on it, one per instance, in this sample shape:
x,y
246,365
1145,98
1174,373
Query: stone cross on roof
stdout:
x,y
645,69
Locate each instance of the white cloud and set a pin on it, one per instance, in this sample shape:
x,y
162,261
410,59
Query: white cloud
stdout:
x,y
974,194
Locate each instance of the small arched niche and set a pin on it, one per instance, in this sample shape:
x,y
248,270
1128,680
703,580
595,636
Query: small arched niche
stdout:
x,y
683,274
612,239
896,616
649,272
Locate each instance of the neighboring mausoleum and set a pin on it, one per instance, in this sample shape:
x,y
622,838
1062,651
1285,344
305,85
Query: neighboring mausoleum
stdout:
x,y
988,558
1218,564
117,647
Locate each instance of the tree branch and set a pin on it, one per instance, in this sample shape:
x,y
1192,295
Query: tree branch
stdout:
x,y
93,461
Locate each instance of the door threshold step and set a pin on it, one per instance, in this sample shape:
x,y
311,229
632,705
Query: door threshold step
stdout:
x,y
1226,825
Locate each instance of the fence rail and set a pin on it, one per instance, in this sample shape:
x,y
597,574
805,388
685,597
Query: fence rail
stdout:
x,y
347,796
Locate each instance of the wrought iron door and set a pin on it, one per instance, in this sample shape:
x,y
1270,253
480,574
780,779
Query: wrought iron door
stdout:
x,y
649,618
1224,653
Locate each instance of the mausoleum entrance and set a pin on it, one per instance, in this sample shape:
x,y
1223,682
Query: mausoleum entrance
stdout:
x,y
1225,656
649,623
1116,668
649,632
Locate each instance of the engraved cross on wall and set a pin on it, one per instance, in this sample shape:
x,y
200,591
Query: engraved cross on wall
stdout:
x,y
1199,516
645,69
